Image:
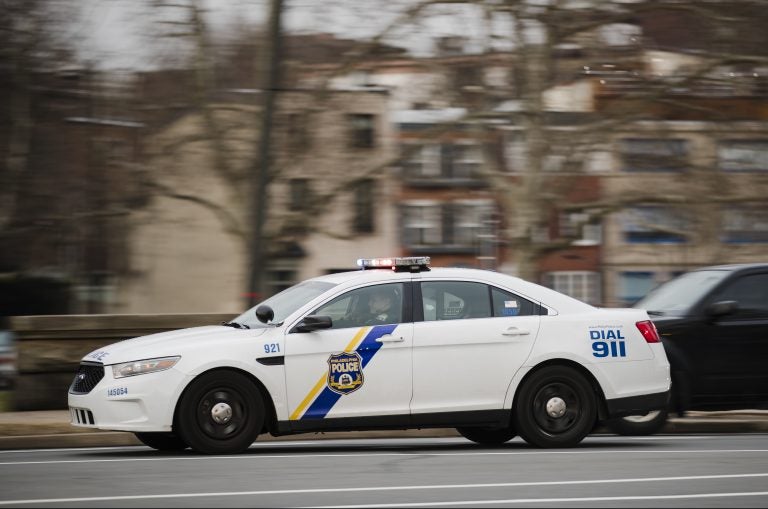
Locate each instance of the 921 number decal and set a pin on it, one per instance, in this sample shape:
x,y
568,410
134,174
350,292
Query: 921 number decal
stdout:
x,y
272,348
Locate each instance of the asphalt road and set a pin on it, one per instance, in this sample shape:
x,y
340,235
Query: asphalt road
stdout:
x,y
604,471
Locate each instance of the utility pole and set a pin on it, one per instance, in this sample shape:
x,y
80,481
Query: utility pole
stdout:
x,y
262,166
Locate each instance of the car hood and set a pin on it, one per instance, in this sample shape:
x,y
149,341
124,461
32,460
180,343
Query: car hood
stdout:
x,y
168,343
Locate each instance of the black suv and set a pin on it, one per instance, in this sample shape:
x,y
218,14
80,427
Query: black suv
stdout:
x,y
713,323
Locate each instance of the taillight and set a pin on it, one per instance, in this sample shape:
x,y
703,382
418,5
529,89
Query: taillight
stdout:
x,y
649,332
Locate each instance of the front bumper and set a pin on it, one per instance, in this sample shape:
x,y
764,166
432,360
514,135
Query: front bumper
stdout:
x,y
142,403
636,405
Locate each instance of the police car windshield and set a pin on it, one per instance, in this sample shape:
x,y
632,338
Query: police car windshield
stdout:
x,y
677,296
286,302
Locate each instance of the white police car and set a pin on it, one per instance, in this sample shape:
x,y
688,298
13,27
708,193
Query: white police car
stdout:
x,y
399,347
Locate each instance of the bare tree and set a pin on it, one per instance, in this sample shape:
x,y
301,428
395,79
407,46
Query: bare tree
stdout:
x,y
46,97
558,148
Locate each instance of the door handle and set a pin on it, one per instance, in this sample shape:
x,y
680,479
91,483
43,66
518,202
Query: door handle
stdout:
x,y
389,338
514,331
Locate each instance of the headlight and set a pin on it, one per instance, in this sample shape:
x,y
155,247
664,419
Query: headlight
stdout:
x,y
142,367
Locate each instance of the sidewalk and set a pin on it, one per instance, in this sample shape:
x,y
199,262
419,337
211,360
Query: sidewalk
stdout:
x,y
51,429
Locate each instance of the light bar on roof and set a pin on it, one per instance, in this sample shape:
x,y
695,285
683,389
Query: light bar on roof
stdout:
x,y
406,263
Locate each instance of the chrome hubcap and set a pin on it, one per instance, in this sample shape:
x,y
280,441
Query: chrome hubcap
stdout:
x,y
555,407
221,413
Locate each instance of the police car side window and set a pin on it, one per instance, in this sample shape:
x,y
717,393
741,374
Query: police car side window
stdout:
x,y
509,304
372,305
453,300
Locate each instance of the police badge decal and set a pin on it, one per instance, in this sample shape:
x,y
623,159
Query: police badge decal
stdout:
x,y
345,372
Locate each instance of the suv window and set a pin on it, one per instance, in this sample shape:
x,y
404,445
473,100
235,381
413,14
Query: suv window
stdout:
x,y
751,292
681,293
6,339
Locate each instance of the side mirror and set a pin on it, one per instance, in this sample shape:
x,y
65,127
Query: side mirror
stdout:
x,y
722,308
313,322
264,313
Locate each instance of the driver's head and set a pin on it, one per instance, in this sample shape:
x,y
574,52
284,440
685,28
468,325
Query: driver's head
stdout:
x,y
380,301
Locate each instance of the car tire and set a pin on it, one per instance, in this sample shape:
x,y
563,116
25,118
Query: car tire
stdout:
x,y
488,435
639,425
556,407
162,441
220,412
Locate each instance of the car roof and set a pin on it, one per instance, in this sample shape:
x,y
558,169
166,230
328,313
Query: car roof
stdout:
x,y
364,276
734,267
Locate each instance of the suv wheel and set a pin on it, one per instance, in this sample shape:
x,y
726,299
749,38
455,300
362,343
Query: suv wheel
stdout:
x,y
639,425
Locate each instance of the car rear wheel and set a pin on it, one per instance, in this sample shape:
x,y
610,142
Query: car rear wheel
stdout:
x,y
556,407
162,441
487,435
639,425
221,412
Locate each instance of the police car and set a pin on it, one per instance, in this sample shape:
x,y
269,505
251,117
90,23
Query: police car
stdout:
x,y
396,345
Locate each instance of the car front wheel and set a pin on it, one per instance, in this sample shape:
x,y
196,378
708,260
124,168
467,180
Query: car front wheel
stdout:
x,y
556,407
221,412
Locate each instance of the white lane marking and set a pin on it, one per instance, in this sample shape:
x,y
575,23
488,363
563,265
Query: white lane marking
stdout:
x,y
551,500
669,438
368,454
384,488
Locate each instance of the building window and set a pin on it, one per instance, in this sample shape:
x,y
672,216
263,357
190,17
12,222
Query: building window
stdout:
x,y
278,279
516,153
577,226
460,225
460,161
363,220
745,224
298,132
653,154
421,161
299,194
634,285
444,161
598,161
655,225
471,220
361,130
468,76
422,224
582,285
743,155
96,292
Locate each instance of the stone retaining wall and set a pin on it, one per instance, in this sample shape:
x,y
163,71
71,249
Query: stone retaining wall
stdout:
x,y
50,348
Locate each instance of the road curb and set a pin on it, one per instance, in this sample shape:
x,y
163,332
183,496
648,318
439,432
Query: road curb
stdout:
x,y
51,429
